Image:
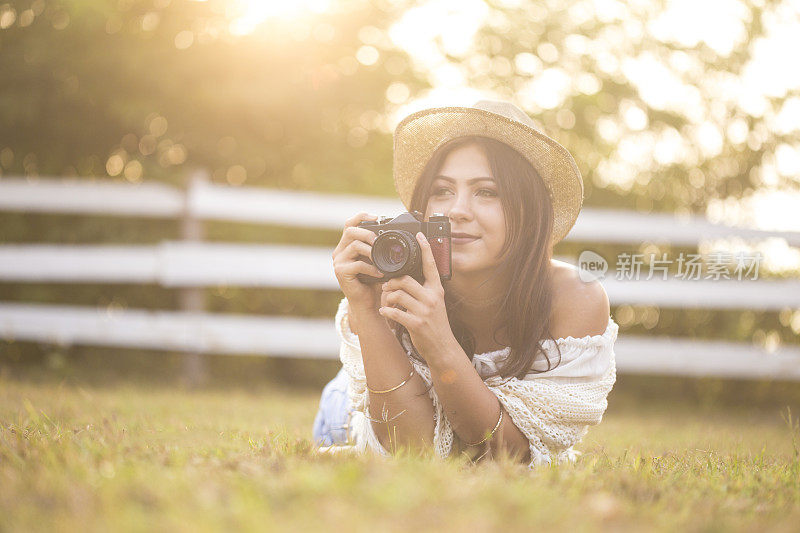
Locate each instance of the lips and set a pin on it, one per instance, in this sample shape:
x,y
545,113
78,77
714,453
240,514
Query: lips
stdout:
x,y
458,238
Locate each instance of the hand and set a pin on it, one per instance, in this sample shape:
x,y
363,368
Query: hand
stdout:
x,y
420,308
357,243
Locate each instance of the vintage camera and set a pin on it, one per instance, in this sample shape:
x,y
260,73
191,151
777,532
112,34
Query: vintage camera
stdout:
x,y
396,251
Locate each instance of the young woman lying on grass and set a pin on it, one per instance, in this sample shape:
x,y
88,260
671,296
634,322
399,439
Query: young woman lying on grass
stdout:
x,y
513,354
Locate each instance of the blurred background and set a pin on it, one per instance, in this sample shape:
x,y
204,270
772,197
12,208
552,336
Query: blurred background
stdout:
x,y
175,174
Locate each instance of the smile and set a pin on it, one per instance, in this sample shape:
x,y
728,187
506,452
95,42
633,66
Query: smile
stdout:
x,y
463,240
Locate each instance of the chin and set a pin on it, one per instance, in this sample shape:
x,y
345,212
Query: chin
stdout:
x,y
465,268
468,265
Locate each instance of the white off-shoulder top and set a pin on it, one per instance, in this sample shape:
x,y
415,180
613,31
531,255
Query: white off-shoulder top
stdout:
x,y
553,409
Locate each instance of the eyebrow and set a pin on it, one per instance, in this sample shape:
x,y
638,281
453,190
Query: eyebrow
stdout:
x,y
471,180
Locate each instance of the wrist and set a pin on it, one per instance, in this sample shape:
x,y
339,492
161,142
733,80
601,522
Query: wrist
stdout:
x,y
359,316
443,355
364,312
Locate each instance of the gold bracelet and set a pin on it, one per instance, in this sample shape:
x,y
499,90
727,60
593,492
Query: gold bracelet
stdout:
x,y
411,375
490,435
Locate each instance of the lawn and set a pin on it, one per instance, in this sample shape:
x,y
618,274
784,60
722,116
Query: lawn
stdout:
x,y
136,456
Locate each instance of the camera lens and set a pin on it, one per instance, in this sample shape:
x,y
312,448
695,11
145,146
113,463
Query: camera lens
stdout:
x,y
397,254
395,251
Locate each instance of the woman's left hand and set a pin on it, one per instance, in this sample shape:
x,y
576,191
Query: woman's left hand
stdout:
x,y
425,314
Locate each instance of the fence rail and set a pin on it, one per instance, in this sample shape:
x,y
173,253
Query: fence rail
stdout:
x,y
188,264
192,264
206,201
316,338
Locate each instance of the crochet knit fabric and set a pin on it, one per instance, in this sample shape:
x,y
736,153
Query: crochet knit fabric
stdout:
x,y
553,409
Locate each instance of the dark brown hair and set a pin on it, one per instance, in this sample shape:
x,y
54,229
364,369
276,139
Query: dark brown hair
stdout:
x,y
526,303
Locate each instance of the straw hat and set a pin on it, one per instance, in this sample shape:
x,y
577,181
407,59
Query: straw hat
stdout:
x,y
420,134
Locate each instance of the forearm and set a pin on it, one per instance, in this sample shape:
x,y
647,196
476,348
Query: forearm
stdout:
x,y
471,407
385,366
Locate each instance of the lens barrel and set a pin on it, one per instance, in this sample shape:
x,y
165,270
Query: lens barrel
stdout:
x,y
396,252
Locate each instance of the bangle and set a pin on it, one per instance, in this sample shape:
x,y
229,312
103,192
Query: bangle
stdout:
x,y
491,434
411,375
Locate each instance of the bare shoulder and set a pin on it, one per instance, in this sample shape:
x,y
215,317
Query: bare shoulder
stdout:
x,y
579,308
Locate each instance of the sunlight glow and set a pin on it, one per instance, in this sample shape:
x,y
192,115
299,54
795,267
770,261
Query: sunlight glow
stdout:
x,y
788,119
686,22
452,23
661,88
444,41
778,257
547,90
766,209
419,32
250,13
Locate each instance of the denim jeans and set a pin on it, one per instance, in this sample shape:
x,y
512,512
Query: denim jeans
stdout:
x,y
330,424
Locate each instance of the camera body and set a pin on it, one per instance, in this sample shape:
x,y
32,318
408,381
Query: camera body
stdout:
x,y
396,251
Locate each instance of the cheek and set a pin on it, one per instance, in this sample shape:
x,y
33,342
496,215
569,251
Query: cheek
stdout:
x,y
498,224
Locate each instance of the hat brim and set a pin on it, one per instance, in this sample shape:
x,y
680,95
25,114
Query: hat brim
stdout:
x,y
420,134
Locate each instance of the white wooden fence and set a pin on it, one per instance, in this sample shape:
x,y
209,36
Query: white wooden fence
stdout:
x,y
191,264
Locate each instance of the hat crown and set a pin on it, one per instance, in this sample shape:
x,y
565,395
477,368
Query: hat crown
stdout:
x,y
508,110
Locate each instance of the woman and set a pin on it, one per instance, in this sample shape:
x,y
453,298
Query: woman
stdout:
x,y
513,355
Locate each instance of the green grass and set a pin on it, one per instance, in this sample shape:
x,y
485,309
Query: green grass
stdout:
x,y
81,455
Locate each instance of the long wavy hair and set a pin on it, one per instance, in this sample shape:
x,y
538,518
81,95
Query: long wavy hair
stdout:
x,y
525,303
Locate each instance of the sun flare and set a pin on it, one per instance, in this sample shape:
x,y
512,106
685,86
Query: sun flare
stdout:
x,y
248,14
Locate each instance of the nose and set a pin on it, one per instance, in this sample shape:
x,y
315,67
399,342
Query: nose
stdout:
x,y
461,208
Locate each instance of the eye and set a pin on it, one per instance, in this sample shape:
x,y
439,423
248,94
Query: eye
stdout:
x,y
439,191
489,191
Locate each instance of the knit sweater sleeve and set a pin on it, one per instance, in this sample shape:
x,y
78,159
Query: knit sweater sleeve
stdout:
x,y
360,431
555,408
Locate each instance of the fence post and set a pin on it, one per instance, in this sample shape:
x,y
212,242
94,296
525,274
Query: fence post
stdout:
x,y
192,299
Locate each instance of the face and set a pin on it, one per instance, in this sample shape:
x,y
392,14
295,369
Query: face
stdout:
x,y
464,189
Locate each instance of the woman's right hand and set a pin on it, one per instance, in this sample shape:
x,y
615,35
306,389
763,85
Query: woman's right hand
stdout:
x,y
355,244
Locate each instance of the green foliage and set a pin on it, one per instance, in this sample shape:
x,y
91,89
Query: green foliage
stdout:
x,y
615,56
152,88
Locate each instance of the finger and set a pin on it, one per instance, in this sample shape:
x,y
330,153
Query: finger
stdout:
x,y
359,218
356,249
402,298
429,269
352,222
392,324
401,317
407,284
384,295
352,233
349,270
